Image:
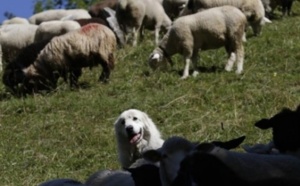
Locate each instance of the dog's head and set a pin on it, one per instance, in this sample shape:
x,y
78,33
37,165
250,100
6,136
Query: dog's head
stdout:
x,y
133,125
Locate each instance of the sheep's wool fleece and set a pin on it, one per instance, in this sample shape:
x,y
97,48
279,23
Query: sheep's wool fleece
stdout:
x,y
90,39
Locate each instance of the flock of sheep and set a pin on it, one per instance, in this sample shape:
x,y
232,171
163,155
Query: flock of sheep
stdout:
x,y
177,161
37,51
55,44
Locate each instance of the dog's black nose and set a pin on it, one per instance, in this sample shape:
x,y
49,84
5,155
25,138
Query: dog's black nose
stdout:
x,y
129,129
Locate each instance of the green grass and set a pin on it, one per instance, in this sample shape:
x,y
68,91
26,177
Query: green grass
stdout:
x,y
69,134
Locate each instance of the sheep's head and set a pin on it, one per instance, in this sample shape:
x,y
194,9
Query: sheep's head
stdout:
x,y
12,79
35,82
158,59
154,60
286,129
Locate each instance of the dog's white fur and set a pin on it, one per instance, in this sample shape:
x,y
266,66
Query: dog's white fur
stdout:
x,y
136,133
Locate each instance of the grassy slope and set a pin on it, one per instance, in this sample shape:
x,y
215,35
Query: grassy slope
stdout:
x,y
70,133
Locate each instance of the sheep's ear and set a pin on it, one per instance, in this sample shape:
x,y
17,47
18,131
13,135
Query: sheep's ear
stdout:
x,y
152,155
205,147
231,144
263,124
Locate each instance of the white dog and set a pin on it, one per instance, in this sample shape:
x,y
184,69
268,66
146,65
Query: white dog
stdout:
x,y
135,133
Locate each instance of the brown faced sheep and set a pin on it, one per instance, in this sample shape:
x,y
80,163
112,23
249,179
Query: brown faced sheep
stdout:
x,y
208,29
89,46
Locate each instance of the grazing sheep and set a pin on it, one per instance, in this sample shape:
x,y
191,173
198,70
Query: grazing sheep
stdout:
x,y
15,20
110,21
208,29
14,37
137,15
211,165
286,7
174,150
286,129
13,71
253,10
62,182
135,133
97,9
89,46
57,14
47,30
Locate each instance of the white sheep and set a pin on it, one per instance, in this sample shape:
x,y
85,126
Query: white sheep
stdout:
x,y
138,15
253,9
49,29
209,29
89,46
57,14
14,37
15,20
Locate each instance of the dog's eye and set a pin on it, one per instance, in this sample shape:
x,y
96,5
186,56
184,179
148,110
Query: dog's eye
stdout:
x,y
134,118
123,122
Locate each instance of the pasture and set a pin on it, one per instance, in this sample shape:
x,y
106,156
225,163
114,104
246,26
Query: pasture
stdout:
x,y
70,134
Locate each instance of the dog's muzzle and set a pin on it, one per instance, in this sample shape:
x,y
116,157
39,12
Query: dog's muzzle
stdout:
x,y
132,136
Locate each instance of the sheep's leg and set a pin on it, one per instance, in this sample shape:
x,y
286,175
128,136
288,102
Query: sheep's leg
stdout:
x,y
240,59
135,36
142,34
186,68
195,61
74,76
157,30
230,62
105,73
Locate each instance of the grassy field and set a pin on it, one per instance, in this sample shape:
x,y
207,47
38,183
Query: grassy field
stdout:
x,y
69,133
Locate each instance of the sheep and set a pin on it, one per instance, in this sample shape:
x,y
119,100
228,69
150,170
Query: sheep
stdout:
x,y
16,20
173,7
208,29
13,70
212,165
144,175
286,7
270,6
285,126
62,182
89,46
47,30
174,150
137,15
110,22
57,14
97,9
253,9
14,37
110,178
